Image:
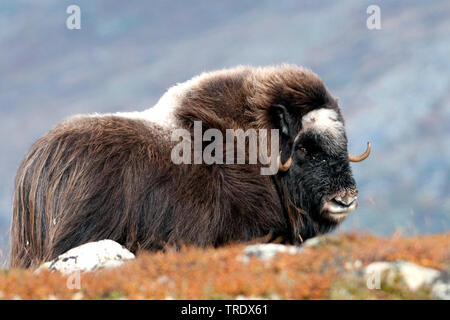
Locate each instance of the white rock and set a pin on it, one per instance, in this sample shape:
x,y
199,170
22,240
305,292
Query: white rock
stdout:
x,y
78,296
313,242
268,251
353,265
415,276
90,257
357,264
441,290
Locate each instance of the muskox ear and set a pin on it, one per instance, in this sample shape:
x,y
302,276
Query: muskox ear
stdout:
x,y
281,119
284,122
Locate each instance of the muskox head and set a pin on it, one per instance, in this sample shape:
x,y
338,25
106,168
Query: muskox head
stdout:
x,y
314,162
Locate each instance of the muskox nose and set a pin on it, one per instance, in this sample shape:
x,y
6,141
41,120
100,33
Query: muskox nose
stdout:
x,y
346,201
340,204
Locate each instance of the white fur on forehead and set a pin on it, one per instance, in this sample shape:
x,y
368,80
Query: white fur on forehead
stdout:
x,y
323,120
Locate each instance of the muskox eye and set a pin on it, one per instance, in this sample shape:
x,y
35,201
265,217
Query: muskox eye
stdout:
x,y
301,151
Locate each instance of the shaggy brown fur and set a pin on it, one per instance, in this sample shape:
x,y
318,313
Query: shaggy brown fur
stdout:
x,y
111,177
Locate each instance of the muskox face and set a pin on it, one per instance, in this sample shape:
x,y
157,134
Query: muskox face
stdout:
x,y
320,179
314,161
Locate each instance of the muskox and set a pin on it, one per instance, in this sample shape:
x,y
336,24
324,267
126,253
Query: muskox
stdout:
x,y
110,176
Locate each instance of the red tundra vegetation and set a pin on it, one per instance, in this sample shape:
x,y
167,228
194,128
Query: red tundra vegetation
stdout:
x,y
194,273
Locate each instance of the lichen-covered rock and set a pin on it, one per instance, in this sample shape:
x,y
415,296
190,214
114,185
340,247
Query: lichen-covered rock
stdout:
x,y
90,257
441,289
267,251
321,241
313,242
413,275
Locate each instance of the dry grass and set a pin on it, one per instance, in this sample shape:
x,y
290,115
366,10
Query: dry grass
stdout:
x,y
194,273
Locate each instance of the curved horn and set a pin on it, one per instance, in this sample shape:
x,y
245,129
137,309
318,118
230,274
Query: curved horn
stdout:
x,y
362,157
284,167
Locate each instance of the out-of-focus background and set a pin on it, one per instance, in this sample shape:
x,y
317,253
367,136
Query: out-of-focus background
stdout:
x,y
393,84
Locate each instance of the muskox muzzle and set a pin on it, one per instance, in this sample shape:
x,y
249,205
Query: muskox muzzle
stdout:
x,y
339,205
